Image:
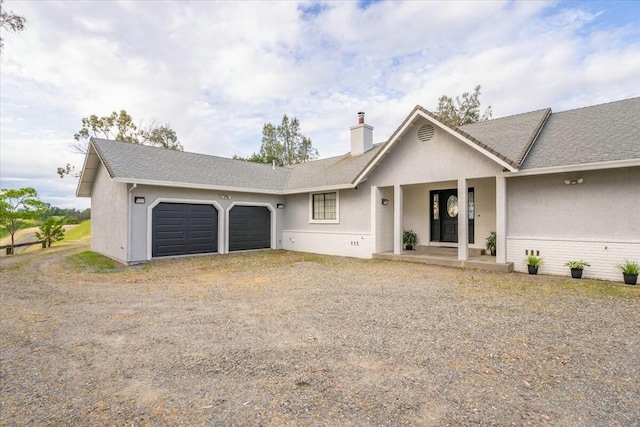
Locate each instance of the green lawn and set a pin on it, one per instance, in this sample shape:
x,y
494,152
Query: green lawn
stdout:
x,y
81,231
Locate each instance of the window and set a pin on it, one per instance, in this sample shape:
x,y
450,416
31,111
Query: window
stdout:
x,y
324,207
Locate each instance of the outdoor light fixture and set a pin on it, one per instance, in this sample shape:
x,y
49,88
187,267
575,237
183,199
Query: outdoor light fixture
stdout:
x,y
385,202
280,205
138,200
573,181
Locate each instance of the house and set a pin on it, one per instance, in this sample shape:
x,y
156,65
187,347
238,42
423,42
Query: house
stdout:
x,y
562,185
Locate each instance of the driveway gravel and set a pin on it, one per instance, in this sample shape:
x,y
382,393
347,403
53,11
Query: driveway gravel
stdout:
x,y
282,338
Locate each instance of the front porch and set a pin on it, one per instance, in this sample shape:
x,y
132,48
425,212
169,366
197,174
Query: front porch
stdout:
x,y
448,257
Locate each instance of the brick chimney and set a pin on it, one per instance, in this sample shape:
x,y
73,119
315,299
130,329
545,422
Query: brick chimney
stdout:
x,y
361,137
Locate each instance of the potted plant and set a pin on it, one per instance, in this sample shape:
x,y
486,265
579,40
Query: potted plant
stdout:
x,y
409,238
491,243
577,267
629,272
533,263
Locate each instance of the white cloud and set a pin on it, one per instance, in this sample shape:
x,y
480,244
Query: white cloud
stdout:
x,y
217,71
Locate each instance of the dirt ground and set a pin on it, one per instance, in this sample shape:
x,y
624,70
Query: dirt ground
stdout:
x,y
281,338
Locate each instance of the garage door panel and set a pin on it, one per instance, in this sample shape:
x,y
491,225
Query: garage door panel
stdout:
x,y
249,228
182,229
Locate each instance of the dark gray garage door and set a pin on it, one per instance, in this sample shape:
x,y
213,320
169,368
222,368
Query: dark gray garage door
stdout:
x,y
249,228
182,229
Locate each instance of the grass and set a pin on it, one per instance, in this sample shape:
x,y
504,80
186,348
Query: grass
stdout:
x,y
89,260
78,232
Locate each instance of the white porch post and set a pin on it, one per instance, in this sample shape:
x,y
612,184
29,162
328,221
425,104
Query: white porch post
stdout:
x,y
397,220
375,198
501,219
463,220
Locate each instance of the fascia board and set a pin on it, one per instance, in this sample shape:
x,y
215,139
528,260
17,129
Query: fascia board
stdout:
x,y
91,151
319,189
576,168
194,186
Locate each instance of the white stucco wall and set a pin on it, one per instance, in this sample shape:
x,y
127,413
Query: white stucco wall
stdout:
x,y
109,218
598,220
384,220
351,236
139,212
443,158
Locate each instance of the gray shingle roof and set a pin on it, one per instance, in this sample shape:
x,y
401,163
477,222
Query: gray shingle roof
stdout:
x,y
594,134
599,133
338,170
510,136
135,163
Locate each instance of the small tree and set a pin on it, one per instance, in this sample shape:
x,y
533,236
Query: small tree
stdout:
x,y
462,112
283,145
120,127
17,206
51,231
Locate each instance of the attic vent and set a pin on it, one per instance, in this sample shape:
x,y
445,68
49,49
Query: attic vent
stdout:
x,y
425,133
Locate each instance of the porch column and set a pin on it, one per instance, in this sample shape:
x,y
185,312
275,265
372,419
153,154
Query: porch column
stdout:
x,y
501,219
463,220
397,220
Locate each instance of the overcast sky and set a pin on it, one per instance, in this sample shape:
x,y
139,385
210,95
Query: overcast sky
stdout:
x,y
217,71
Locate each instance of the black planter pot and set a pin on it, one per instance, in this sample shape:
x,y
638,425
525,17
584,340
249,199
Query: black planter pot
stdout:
x,y
493,253
532,269
576,273
409,247
630,279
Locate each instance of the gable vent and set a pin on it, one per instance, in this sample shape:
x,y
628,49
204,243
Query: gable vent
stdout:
x,y
425,133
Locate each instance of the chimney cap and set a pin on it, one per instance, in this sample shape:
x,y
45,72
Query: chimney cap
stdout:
x,y
360,117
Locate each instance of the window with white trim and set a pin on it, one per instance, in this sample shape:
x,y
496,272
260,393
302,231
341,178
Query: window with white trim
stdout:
x,y
324,207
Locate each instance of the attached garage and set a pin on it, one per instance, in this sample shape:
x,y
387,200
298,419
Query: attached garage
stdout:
x,y
184,229
249,228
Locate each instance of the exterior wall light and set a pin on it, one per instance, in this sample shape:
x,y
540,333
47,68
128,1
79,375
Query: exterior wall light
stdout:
x,y
138,200
573,181
280,206
385,202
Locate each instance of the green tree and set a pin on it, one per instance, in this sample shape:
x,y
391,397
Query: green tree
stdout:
x,y
463,111
120,127
17,205
9,21
283,145
51,231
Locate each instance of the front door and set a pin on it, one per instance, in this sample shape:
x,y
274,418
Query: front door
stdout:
x,y
444,215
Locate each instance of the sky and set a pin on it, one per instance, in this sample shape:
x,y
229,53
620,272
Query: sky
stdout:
x,y
217,71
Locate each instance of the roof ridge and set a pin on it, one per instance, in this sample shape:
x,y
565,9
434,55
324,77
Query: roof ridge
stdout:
x,y
534,137
507,117
599,105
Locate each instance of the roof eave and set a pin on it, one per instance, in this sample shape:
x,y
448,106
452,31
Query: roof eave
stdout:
x,y
159,183
614,164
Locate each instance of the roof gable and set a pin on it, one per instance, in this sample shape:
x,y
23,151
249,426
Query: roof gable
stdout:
x,y
596,134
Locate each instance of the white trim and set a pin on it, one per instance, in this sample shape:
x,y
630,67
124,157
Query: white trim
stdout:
x,y
409,123
573,239
614,164
159,200
345,233
195,186
324,221
262,204
325,189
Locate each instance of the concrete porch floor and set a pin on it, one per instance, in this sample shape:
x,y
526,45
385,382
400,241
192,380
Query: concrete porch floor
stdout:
x,y
448,257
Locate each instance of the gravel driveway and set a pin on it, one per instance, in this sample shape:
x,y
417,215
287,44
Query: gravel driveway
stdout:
x,y
282,338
